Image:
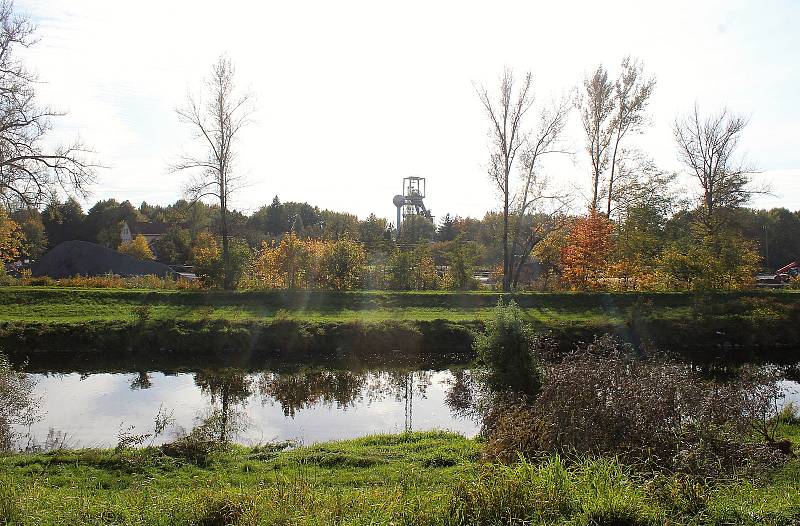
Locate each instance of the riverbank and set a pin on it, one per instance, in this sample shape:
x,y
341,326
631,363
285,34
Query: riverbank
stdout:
x,y
414,478
729,326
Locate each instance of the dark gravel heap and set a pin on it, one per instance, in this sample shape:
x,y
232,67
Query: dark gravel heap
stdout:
x,y
73,258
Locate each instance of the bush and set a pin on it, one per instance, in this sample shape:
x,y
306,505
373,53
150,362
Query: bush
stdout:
x,y
600,400
18,404
112,281
506,353
5,279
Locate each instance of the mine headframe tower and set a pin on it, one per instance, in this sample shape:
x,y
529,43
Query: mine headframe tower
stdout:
x,y
410,202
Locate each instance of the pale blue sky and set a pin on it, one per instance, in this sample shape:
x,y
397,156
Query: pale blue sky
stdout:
x,y
354,96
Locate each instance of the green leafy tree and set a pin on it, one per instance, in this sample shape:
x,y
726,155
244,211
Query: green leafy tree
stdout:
x,y
461,258
412,269
640,237
34,236
716,262
447,230
63,221
342,265
339,225
103,223
416,229
374,233
175,246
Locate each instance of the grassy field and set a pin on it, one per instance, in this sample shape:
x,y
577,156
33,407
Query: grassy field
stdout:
x,y
416,478
743,326
50,304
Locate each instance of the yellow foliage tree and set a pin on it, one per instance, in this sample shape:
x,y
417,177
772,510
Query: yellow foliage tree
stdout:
x,y
727,263
298,263
137,247
11,238
342,265
206,257
287,265
585,257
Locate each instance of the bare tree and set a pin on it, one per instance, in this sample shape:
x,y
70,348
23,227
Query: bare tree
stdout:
x,y
596,104
506,116
515,147
30,170
609,112
216,125
532,220
640,183
707,146
632,91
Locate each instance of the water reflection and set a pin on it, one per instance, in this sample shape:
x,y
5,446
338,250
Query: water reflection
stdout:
x,y
303,403
308,405
226,389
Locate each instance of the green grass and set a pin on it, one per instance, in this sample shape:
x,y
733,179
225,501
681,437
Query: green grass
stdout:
x,y
414,478
52,304
735,326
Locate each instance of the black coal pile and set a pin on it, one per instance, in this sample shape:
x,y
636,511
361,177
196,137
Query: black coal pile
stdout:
x,y
73,258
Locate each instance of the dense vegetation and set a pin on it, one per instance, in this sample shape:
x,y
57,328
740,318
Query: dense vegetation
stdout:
x,y
417,478
339,251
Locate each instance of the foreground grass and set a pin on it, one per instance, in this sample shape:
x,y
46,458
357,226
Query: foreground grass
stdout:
x,y
415,478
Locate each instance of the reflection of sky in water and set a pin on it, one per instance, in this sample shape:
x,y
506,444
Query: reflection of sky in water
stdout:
x,y
792,390
91,410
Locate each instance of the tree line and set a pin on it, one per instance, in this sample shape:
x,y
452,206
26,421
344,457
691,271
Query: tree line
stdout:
x,y
638,231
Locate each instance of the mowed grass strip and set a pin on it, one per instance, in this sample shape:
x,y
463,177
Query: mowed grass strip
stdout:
x,y
54,304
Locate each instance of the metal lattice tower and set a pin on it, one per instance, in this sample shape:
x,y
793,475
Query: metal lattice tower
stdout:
x,y
411,201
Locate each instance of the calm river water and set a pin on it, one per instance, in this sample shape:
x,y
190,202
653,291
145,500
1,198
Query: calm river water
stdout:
x,y
305,405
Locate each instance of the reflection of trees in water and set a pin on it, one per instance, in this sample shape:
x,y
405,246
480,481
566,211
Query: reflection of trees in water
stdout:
x,y
403,385
19,406
305,389
343,388
228,387
141,381
464,394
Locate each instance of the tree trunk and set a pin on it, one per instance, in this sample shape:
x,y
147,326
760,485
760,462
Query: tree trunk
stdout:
x,y
506,259
611,177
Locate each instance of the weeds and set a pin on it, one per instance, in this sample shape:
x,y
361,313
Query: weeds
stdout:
x,y
599,492
18,404
112,281
127,439
601,401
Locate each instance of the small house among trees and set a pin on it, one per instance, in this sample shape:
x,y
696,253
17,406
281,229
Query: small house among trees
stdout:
x,y
150,231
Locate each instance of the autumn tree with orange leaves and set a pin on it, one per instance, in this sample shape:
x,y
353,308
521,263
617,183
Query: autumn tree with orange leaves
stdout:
x,y
11,238
586,254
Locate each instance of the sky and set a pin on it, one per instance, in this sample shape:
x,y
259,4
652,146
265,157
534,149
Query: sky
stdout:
x,y
351,97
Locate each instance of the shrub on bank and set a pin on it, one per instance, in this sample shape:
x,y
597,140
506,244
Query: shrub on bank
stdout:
x,y
506,352
600,401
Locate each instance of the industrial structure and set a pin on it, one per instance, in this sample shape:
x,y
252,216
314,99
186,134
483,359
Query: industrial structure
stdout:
x,y
410,202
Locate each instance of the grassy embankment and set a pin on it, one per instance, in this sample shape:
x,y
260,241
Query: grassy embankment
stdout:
x,y
34,317
417,478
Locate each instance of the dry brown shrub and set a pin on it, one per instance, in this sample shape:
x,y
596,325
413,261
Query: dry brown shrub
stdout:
x,y
599,400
